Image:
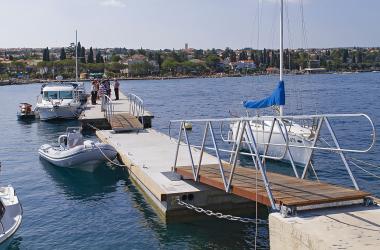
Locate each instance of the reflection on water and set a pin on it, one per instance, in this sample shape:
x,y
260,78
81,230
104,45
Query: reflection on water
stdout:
x,y
78,184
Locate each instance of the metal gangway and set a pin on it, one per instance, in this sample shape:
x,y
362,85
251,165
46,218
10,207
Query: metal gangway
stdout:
x,y
131,118
278,191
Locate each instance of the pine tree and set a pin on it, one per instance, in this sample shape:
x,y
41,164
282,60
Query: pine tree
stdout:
x,y
98,58
83,55
79,49
90,56
62,56
46,55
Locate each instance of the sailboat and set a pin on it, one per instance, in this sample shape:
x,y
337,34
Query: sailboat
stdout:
x,y
298,135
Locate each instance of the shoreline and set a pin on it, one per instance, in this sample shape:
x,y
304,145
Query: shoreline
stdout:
x,y
32,81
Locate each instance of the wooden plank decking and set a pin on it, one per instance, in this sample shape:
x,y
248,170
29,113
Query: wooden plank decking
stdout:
x,y
287,190
124,122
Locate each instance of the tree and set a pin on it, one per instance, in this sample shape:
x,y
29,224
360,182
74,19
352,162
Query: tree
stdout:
x,y
243,56
212,61
90,56
83,55
79,49
232,56
344,55
226,53
99,58
62,56
198,54
115,58
46,55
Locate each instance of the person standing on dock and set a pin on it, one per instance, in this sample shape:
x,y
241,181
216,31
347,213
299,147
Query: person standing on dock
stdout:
x,y
107,85
116,86
94,93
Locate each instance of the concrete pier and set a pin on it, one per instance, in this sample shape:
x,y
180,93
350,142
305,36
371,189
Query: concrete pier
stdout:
x,y
149,156
351,227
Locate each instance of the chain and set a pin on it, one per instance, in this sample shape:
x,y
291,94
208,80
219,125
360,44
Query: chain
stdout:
x,y
220,215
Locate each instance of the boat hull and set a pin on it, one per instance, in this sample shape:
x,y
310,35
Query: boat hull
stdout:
x,y
12,217
300,156
85,157
59,112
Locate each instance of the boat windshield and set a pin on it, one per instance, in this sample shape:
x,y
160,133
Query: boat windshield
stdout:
x,y
66,95
50,95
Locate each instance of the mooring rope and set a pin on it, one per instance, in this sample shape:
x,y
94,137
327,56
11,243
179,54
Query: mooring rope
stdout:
x,y
101,151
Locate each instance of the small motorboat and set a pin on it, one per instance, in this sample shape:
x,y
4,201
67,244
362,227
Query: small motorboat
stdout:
x,y
74,152
25,111
11,214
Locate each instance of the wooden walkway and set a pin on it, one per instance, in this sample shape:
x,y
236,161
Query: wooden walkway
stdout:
x,y
124,122
92,115
286,190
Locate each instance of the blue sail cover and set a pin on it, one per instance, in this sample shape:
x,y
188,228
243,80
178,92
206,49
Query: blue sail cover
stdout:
x,y
276,98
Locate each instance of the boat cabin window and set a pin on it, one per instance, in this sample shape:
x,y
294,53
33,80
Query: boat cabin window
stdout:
x,y
65,94
58,95
50,95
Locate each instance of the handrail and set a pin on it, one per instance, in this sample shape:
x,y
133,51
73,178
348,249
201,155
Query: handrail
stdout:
x,y
296,117
136,106
107,107
246,134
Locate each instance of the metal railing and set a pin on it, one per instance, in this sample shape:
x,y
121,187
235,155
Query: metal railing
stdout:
x,y
136,106
108,107
245,134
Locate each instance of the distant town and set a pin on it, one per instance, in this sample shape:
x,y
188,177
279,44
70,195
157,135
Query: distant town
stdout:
x,y
36,64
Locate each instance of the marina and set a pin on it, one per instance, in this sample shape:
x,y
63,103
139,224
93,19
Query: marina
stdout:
x,y
254,146
85,186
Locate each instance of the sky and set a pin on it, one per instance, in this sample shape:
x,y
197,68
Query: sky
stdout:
x,y
206,24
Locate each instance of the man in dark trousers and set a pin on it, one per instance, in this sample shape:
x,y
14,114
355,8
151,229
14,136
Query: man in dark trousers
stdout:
x,y
116,86
94,93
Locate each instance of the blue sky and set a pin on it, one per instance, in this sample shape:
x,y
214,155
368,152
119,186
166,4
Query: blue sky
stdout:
x,y
201,23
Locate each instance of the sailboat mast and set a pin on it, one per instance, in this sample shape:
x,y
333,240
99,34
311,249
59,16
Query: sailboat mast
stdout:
x,y
281,48
76,56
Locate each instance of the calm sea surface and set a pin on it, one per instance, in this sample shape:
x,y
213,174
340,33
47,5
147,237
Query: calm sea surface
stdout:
x,y
68,209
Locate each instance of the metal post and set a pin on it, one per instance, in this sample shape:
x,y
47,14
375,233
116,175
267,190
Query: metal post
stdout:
x,y
178,144
240,137
202,149
341,153
319,126
234,144
76,56
270,137
263,173
286,139
282,50
218,156
189,148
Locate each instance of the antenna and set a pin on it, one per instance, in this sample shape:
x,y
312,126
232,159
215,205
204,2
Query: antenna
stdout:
x,y
76,56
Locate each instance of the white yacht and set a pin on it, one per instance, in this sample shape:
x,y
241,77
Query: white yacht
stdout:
x,y
59,101
10,214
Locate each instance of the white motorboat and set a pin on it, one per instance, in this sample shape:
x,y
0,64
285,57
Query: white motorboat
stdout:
x,y
10,213
74,152
59,101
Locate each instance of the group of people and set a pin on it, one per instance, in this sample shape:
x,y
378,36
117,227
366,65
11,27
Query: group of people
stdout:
x,y
103,87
